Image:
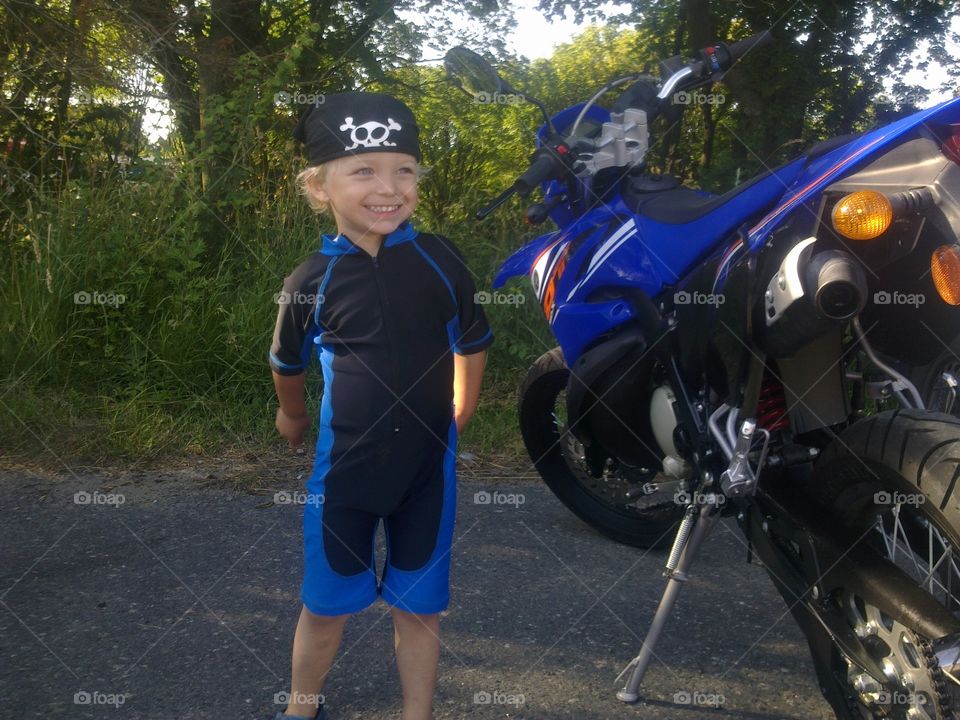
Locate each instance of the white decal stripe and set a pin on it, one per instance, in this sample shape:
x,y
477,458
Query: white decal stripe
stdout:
x,y
557,252
590,273
601,254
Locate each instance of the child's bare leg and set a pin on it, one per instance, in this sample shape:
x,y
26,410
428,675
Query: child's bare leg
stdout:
x,y
417,641
314,647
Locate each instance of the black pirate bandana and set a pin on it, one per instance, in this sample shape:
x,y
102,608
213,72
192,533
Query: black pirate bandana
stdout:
x,y
357,122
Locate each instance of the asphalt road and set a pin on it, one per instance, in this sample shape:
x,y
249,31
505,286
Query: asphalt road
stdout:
x,y
172,600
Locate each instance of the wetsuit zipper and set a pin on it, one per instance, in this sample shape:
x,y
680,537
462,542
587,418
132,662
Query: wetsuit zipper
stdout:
x,y
394,411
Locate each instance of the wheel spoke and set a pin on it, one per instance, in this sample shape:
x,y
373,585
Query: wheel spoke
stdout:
x,y
933,567
912,555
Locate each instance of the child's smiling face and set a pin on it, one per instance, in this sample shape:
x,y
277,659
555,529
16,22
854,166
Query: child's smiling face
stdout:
x,y
370,194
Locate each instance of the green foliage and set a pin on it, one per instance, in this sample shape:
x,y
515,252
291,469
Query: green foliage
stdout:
x,y
196,239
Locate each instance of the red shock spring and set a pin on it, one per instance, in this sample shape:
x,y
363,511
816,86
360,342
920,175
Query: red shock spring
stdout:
x,y
772,408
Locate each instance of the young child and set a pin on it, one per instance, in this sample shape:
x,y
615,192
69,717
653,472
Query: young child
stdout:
x,y
401,344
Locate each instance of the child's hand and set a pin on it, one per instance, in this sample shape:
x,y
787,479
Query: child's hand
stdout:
x,y
292,428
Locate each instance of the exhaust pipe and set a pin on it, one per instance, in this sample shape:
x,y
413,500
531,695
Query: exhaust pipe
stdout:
x,y
810,294
838,284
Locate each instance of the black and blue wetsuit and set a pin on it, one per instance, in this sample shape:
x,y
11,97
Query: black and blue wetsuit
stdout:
x,y
385,329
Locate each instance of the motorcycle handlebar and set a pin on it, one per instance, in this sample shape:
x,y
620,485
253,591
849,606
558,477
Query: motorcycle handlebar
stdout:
x,y
713,60
721,57
742,47
543,168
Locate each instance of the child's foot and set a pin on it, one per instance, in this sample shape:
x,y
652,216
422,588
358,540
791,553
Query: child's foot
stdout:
x,y
321,715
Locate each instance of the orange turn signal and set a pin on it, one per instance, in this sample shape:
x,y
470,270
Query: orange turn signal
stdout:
x,y
862,215
945,270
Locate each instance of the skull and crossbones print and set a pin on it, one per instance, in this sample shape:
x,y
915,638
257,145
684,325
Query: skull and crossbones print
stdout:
x,y
370,134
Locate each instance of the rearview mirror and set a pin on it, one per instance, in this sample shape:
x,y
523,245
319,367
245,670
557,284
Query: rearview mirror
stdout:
x,y
471,73
476,77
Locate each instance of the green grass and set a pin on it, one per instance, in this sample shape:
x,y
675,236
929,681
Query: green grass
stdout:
x,y
178,367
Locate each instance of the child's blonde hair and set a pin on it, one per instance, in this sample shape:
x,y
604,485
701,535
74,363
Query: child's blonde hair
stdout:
x,y
309,179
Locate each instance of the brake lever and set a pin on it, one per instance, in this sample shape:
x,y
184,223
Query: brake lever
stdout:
x,y
497,202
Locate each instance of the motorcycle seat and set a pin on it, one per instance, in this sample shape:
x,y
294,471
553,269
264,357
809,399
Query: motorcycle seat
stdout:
x,y
682,205
677,205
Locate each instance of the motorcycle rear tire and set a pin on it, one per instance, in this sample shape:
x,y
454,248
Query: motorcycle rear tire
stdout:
x,y
910,452
929,381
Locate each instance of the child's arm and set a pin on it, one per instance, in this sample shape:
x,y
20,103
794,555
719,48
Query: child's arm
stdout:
x,y
292,417
467,378
293,338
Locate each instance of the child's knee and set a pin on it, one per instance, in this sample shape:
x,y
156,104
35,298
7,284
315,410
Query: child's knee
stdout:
x,y
314,619
403,616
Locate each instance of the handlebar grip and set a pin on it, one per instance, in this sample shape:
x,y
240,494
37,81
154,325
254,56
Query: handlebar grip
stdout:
x,y
543,168
740,48
721,57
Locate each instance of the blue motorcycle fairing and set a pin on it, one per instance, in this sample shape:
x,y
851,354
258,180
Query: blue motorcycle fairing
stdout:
x,y
612,247
625,256
670,250
615,251
677,247
831,166
521,262
576,325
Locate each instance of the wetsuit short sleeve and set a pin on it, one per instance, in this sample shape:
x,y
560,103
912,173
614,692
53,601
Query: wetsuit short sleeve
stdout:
x,y
296,326
474,333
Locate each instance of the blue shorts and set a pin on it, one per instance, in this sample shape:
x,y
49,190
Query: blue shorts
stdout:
x,y
408,482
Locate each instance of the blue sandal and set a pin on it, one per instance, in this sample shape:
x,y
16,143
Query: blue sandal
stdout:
x,y
321,715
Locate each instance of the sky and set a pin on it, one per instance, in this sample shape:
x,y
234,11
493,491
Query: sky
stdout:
x,y
536,36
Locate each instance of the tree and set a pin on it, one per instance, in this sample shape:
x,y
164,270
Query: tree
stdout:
x,y
227,68
820,78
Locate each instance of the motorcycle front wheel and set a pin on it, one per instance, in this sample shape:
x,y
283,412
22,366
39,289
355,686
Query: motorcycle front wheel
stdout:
x,y
614,503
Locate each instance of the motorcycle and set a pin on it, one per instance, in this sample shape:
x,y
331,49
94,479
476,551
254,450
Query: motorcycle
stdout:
x,y
756,356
